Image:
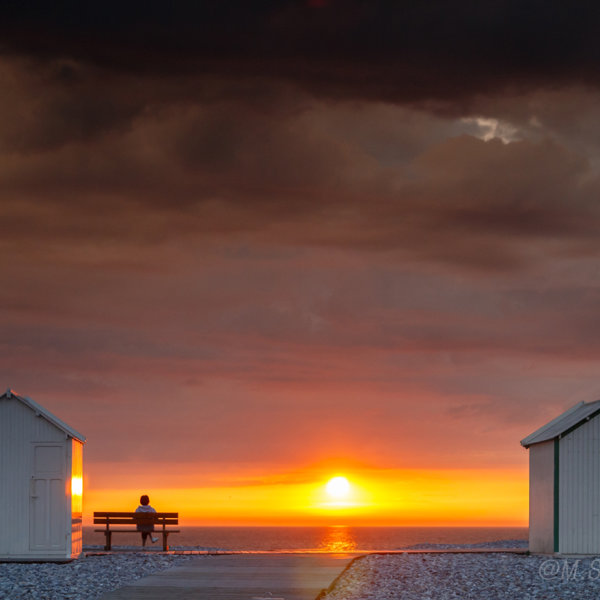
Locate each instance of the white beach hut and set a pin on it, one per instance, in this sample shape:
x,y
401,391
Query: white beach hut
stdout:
x,y
41,471
564,482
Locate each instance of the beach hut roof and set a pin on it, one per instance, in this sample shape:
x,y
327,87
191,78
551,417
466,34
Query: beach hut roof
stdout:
x,y
571,419
40,410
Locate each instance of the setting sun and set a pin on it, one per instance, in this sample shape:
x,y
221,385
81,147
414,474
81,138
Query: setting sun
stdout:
x,y
338,487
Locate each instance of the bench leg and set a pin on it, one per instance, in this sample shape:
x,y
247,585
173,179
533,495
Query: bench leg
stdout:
x,y
165,540
108,540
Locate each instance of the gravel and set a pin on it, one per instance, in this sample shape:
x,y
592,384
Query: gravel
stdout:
x,y
501,576
404,576
83,579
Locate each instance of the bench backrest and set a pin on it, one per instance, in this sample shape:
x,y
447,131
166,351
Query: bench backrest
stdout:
x,y
135,518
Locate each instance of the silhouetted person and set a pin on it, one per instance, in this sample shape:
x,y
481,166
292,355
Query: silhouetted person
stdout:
x,y
145,529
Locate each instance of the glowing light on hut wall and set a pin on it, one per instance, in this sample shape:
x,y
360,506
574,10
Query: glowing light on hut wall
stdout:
x,y
77,479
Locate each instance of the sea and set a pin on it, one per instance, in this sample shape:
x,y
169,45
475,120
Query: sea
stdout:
x,y
316,539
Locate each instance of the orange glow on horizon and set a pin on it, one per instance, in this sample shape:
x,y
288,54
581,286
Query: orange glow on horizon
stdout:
x,y
450,497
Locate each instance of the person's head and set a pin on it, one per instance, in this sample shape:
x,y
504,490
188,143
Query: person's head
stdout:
x,y
144,500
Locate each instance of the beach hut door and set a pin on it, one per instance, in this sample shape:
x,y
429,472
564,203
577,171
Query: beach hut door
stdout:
x,y
47,498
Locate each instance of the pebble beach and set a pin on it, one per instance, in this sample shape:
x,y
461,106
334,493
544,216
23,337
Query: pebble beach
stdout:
x,y
487,576
399,576
87,578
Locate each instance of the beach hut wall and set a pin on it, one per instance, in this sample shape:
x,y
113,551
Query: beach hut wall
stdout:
x,y
564,482
41,471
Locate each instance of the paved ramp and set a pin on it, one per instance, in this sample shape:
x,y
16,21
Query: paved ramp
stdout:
x,y
239,577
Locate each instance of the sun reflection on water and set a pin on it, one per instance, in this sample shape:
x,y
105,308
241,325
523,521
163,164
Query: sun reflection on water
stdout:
x,y
338,539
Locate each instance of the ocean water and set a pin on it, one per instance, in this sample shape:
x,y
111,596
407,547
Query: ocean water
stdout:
x,y
316,539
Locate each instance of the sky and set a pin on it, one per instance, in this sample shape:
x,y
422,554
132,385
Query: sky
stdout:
x,y
248,246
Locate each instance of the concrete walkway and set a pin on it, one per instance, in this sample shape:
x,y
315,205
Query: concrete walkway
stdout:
x,y
240,577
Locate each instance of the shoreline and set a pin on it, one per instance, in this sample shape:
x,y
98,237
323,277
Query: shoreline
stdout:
x,y
117,550
505,545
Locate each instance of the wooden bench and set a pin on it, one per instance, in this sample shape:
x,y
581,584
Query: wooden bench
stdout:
x,y
109,519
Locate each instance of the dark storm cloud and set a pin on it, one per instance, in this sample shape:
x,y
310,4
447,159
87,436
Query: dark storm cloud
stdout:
x,y
298,172
363,49
51,103
130,123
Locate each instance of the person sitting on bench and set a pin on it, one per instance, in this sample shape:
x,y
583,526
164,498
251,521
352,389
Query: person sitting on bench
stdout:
x,y
145,529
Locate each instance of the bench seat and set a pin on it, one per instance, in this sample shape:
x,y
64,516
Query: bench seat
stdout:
x,y
110,519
